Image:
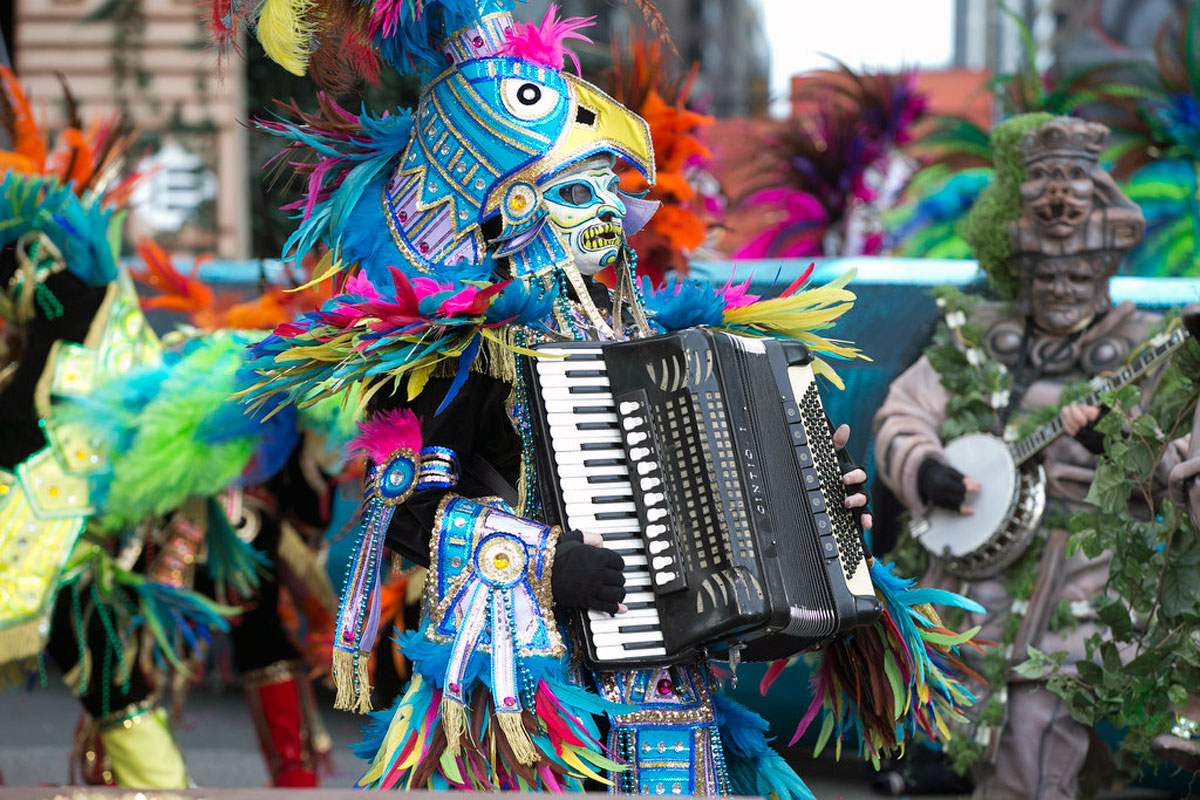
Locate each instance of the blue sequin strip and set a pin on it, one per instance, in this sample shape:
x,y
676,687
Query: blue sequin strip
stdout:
x,y
438,470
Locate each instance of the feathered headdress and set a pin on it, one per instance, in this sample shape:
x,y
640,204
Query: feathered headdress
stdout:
x,y
818,169
59,205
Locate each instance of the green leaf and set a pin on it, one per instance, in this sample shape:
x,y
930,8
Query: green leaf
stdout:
x,y
1116,616
1180,591
1177,694
1090,673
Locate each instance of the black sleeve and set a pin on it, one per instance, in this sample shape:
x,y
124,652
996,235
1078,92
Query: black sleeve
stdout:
x,y
474,423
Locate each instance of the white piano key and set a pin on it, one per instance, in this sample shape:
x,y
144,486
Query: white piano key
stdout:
x,y
582,401
566,454
618,653
617,638
574,420
575,472
634,616
571,433
578,509
564,393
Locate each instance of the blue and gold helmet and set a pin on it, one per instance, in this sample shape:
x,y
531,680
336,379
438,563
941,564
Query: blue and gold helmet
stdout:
x,y
489,130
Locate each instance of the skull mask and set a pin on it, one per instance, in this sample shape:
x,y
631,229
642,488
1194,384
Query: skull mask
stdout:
x,y
587,212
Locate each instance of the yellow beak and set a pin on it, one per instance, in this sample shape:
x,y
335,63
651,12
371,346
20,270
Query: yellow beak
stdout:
x,y
600,125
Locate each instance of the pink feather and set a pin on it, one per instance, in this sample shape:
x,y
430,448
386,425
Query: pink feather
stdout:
x,y
546,43
386,432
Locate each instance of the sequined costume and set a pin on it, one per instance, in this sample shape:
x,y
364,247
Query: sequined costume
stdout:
x,y
469,230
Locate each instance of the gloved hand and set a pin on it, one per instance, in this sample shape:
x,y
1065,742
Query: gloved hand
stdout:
x,y
586,577
944,486
858,498
1080,421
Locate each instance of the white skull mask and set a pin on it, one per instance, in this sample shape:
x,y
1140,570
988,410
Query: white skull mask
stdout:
x,y
587,211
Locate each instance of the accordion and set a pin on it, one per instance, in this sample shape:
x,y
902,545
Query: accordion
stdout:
x,y
706,460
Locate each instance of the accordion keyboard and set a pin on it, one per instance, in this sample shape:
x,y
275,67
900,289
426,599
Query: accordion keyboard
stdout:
x,y
594,478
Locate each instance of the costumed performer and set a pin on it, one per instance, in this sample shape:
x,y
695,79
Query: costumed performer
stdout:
x,y
1050,233
475,224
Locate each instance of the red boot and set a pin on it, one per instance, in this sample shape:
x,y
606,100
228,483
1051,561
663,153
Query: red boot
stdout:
x,y
274,694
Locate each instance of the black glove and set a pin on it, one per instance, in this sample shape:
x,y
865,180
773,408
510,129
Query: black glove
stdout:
x,y
941,484
586,577
849,466
1091,438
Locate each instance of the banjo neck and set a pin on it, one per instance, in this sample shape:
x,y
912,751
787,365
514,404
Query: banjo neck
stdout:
x,y
1160,346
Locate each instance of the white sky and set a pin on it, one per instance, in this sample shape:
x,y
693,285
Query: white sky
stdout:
x,y
872,33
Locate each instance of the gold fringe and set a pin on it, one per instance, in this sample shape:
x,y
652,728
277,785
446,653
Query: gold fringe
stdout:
x,y
518,738
351,697
21,641
299,558
454,721
495,358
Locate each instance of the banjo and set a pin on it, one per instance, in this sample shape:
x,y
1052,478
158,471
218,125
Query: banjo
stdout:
x,y
1012,500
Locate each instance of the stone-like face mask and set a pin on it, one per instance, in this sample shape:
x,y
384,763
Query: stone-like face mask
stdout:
x,y
1058,193
1065,293
587,212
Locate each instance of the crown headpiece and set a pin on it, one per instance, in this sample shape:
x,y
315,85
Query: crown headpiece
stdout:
x,y
1064,137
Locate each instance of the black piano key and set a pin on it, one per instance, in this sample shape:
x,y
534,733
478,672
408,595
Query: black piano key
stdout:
x,y
602,462
586,373
592,409
597,445
615,515
595,426
588,389
636,628
611,498
642,645
608,479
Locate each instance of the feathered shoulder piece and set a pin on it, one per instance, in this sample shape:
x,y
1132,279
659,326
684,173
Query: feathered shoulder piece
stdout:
x,y
398,335
344,157
799,312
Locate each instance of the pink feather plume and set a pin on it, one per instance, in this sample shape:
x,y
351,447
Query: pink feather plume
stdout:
x,y
384,433
546,43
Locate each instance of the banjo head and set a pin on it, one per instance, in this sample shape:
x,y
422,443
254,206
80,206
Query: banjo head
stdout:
x,y
987,459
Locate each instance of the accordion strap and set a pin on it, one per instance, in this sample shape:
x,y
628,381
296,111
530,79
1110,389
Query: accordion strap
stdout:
x,y
492,480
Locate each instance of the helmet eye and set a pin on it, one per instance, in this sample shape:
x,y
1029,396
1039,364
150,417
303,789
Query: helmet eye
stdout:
x,y
528,100
577,194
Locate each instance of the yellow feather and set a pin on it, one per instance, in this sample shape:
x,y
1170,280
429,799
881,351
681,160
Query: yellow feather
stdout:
x,y
286,34
325,269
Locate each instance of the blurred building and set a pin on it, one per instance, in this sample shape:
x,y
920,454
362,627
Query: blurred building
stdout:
x,y
148,59
726,38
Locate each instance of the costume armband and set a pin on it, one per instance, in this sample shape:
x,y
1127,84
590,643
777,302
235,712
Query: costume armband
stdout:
x,y
488,592
438,470
392,440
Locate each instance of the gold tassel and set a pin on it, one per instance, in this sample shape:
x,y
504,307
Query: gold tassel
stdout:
x,y
21,641
454,721
518,738
351,696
